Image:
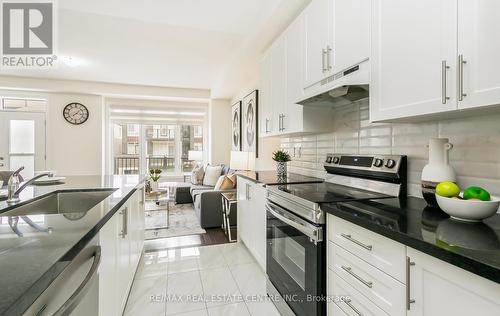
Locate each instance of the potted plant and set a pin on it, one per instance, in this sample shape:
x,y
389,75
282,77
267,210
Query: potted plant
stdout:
x,y
281,157
154,175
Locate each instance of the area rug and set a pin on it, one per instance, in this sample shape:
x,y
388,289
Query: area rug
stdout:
x,y
183,221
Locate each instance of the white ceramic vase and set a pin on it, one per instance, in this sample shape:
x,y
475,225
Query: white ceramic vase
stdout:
x,y
438,169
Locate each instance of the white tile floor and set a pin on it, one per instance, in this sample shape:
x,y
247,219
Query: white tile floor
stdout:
x,y
210,280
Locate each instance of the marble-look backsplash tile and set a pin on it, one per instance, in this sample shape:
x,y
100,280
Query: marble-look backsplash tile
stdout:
x,y
475,156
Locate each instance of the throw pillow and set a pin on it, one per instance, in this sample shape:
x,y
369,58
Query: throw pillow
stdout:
x,y
197,175
233,178
224,183
212,174
219,182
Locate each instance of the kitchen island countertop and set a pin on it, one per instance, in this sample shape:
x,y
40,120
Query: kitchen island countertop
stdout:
x,y
32,258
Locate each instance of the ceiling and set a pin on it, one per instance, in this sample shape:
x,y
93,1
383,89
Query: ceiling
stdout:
x,y
207,44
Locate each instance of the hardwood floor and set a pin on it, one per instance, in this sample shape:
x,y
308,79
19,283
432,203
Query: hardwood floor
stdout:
x,y
213,236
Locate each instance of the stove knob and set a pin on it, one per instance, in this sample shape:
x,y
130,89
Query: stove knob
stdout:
x,y
329,159
336,160
390,164
378,162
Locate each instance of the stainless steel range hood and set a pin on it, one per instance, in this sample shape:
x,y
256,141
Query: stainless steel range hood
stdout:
x,y
340,89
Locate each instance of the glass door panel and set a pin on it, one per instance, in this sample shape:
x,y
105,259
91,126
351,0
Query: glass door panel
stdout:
x,y
22,142
160,147
126,148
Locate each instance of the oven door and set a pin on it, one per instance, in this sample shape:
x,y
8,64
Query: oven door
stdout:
x,y
296,261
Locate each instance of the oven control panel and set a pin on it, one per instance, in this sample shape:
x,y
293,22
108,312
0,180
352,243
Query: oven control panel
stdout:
x,y
381,163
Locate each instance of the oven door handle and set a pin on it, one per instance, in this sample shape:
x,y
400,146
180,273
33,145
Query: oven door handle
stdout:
x,y
311,231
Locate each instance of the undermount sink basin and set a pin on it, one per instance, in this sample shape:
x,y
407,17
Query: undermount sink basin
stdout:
x,y
62,202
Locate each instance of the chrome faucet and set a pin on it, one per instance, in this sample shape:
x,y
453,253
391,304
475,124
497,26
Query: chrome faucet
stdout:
x,y
13,185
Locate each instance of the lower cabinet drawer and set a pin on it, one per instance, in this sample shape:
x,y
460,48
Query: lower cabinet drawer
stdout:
x,y
380,288
381,252
354,303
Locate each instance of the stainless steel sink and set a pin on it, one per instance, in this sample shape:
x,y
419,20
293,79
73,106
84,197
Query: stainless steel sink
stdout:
x,y
62,202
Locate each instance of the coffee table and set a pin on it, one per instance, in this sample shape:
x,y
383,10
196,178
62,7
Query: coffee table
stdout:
x,y
159,201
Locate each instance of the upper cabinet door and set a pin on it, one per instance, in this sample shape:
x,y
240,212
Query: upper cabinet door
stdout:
x,y
351,33
317,22
479,44
265,95
413,58
293,120
278,52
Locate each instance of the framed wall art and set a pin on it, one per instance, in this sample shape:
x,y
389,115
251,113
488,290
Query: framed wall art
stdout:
x,y
236,126
250,135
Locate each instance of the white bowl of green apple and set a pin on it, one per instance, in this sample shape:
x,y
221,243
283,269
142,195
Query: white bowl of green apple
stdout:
x,y
474,204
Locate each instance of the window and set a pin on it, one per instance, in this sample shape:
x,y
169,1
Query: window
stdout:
x,y
162,149
132,148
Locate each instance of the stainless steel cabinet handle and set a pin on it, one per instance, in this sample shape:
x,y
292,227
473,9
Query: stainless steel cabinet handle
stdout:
x,y
328,58
82,289
348,303
294,148
323,56
300,152
359,243
409,301
460,72
1,165
124,231
444,69
267,125
282,122
248,191
357,277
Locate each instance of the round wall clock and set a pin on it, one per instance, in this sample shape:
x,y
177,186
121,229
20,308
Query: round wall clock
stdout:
x,y
76,113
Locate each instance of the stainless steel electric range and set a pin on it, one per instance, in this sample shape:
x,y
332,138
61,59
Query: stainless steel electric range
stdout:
x,y
296,241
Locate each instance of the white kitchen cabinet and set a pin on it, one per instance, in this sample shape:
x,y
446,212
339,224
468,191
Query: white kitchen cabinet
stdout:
x,y
351,33
282,85
278,77
439,288
318,17
430,57
293,118
265,95
107,268
479,43
411,41
252,218
121,241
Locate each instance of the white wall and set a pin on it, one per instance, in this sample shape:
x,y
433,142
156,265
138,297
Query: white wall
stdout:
x,y
75,149
219,131
475,155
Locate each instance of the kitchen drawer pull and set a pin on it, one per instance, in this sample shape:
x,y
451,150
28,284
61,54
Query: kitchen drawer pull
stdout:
x,y
357,277
444,69
348,303
409,301
83,288
359,243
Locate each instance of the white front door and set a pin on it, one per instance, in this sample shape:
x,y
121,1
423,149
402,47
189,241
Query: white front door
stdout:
x,y
22,142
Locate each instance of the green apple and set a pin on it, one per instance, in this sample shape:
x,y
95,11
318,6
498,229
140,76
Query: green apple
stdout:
x,y
447,189
478,193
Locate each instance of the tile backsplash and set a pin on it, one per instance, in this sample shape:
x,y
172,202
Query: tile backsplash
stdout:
x,y
475,155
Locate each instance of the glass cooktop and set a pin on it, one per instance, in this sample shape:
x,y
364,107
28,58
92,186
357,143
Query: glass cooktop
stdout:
x,y
329,193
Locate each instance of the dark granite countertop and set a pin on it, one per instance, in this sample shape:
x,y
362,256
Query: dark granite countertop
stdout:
x,y
30,261
270,177
474,247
